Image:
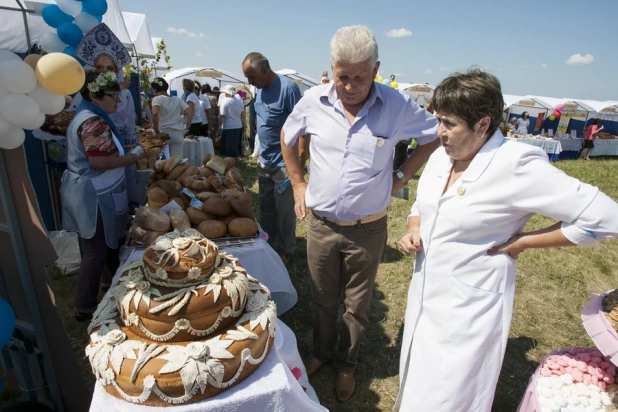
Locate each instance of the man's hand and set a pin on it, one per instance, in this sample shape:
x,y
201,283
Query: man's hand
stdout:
x,y
397,184
299,199
513,247
410,243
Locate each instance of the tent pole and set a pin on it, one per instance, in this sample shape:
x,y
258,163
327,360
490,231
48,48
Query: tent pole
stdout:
x,y
23,13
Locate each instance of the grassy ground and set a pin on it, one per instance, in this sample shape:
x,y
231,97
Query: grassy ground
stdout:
x,y
552,286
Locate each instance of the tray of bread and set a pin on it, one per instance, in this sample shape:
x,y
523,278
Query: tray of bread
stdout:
x,y
210,199
58,124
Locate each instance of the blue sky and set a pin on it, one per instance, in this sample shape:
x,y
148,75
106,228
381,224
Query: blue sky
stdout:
x,y
525,43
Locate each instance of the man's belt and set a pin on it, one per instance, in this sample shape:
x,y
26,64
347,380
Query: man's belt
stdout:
x,y
362,221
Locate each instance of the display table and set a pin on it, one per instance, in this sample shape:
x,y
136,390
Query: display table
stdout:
x,y
196,149
551,147
261,262
605,148
570,148
279,384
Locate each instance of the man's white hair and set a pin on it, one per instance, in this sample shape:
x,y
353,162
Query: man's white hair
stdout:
x,y
353,44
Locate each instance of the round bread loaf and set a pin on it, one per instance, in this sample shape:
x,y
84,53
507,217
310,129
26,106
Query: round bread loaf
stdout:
x,y
197,216
212,229
217,207
242,209
242,227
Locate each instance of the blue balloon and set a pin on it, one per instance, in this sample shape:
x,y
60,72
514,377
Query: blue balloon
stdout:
x,y
70,34
94,7
386,82
54,17
70,50
7,322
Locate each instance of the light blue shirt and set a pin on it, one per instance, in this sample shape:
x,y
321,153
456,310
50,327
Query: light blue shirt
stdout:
x,y
352,165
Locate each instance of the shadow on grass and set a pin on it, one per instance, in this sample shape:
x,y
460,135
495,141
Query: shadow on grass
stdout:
x,y
378,358
516,371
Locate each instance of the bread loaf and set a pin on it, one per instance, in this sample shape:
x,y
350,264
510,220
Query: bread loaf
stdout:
x,y
229,162
206,159
180,220
143,236
235,175
178,170
155,220
204,196
179,202
242,209
170,164
206,172
212,229
227,182
217,164
158,167
191,171
216,183
228,219
167,186
242,227
197,216
157,198
217,207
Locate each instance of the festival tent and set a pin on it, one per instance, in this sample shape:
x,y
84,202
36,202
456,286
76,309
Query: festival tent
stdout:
x,y
420,93
304,82
577,111
139,34
517,105
213,76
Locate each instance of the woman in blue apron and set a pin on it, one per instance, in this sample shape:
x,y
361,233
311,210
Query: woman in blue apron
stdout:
x,y
93,190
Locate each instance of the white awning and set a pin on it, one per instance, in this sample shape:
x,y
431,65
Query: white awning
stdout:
x,y
304,82
139,34
113,19
211,75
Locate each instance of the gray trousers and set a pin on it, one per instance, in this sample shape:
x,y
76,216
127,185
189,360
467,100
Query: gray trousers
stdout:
x,y
277,216
342,261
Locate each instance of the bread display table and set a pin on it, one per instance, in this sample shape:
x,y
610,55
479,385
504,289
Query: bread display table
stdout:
x,y
570,148
605,148
258,258
552,147
196,149
279,384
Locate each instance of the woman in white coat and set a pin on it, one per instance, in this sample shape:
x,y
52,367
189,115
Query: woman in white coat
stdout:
x,y
475,195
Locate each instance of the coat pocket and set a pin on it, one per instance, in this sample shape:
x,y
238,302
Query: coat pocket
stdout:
x,y
120,202
484,274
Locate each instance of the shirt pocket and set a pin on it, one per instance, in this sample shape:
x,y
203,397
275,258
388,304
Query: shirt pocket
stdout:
x,y
273,115
377,152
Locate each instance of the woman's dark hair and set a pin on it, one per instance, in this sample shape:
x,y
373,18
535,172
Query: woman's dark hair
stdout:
x,y
596,121
471,95
91,77
206,89
188,85
159,85
525,115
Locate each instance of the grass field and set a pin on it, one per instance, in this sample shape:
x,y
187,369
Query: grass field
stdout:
x,y
552,287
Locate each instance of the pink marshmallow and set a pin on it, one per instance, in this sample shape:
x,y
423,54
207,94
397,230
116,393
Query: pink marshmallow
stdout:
x,y
596,359
578,376
547,373
597,353
594,379
611,370
603,386
582,367
573,351
552,365
587,380
563,362
569,370
555,372
572,363
609,380
604,365
562,370
584,357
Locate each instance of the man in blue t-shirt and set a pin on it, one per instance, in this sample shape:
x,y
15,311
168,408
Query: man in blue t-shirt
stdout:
x,y
275,98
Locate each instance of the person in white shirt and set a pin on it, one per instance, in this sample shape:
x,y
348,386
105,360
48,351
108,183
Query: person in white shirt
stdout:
x,y
232,121
523,123
193,120
167,112
206,110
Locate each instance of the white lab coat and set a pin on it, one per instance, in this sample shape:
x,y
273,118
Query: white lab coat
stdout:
x,y
460,300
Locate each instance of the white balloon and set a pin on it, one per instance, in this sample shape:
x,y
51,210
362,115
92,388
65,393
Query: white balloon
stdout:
x,y
19,109
48,102
86,22
37,123
6,55
13,138
4,125
17,76
51,43
71,7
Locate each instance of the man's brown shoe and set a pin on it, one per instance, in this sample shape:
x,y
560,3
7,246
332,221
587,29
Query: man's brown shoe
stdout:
x,y
312,365
345,386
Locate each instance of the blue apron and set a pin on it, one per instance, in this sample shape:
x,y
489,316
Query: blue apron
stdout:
x,y
85,190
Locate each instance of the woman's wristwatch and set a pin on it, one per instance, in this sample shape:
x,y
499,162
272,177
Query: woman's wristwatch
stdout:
x,y
402,177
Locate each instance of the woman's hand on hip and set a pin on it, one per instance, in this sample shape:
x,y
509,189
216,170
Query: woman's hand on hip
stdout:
x,y
410,243
513,247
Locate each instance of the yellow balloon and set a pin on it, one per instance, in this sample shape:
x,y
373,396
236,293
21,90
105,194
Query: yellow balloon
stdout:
x,y
60,73
33,60
552,117
379,79
394,85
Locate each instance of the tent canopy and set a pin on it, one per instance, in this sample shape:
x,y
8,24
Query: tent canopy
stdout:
x,y
569,104
420,93
211,75
13,30
139,34
304,82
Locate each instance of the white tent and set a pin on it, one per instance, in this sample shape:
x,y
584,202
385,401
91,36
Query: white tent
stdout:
x,y
18,31
304,82
139,34
420,93
213,76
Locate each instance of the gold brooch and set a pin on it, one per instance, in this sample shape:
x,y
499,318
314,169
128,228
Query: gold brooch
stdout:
x,y
461,190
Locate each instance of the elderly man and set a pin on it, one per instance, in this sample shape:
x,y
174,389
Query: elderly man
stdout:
x,y
354,125
275,98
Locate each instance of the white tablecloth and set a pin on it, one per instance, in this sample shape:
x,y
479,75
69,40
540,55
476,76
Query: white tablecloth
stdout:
x,y
549,146
195,150
570,145
605,148
272,387
261,262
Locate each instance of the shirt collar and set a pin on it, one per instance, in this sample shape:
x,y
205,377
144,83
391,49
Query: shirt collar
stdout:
x,y
483,157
